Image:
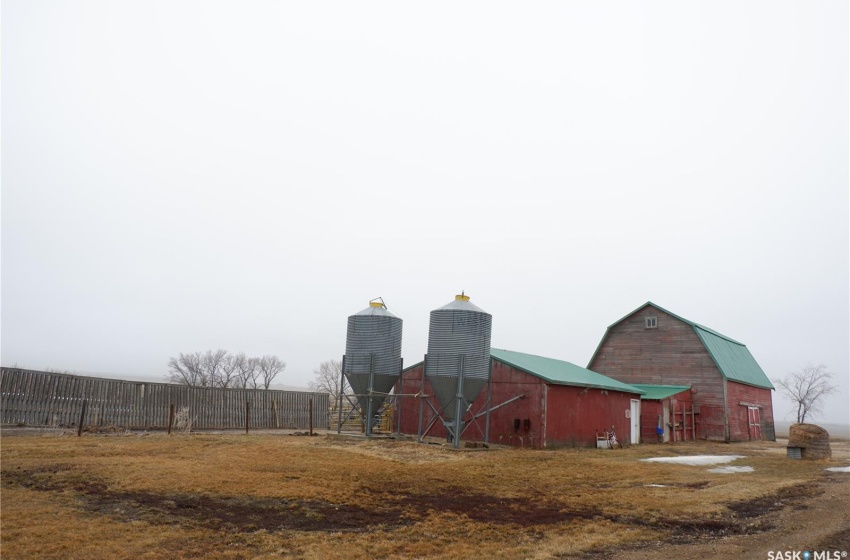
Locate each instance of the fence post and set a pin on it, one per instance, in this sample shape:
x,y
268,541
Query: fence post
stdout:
x,y
247,415
170,417
82,416
274,414
310,408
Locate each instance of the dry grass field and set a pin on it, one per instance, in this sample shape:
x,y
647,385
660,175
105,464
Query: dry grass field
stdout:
x,y
280,496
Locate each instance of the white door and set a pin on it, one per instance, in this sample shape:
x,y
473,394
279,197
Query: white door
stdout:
x,y
635,414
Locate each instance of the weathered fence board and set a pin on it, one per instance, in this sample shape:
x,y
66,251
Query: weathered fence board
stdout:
x,y
37,398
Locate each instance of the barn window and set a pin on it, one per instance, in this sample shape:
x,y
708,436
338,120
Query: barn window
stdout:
x,y
651,322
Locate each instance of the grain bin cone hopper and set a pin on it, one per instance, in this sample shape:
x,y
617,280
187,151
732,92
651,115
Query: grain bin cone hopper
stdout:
x,y
372,361
457,364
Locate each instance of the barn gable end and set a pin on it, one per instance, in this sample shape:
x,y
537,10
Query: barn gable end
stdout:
x,y
654,346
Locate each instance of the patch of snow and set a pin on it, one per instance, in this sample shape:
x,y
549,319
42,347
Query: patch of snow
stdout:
x,y
839,469
695,460
731,470
657,485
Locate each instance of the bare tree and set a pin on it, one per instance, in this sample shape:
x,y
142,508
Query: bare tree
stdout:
x,y
247,371
211,365
219,368
53,370
269,367
186,369
327,378
808,388
228,371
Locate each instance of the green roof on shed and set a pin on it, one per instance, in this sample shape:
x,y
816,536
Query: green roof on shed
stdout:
x,y
559,372
658,392
731,357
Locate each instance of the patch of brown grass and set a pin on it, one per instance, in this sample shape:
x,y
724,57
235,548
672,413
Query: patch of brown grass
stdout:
x,y
269,496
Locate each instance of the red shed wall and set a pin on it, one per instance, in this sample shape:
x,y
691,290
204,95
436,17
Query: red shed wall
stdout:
x,y
575,414
649,413
507,383
407,408
671,354
740,397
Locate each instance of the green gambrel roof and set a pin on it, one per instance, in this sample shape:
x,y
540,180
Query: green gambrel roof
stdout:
x,y
731,357
559,372
658,392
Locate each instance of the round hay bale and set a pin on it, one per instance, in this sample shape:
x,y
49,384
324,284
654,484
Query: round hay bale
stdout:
x,y
811,439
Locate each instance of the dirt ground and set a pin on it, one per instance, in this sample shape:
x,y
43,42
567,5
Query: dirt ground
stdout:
x,y
315,497
813,517
816,519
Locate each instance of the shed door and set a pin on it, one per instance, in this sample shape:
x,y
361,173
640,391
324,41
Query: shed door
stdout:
x,y
635,417
754,419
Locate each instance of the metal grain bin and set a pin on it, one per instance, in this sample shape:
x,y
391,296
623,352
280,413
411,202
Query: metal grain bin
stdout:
x,y
458,360
372,361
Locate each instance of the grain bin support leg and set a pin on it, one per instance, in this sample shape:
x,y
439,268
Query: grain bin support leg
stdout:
x,y
421,396
401,392
489,397
458,405
339,400
369,387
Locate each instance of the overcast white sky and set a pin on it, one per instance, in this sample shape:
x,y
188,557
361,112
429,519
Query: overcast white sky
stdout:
x,y
191,175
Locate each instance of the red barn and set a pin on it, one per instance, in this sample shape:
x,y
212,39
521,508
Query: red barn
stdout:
x,y
535,402
731,394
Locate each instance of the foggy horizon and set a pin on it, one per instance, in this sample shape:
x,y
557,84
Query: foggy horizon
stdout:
x,y
188,176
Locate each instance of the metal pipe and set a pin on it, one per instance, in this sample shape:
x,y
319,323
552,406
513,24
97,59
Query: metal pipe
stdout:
x,y
437,416
498,406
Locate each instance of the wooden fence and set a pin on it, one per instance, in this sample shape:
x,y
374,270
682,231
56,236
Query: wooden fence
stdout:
x,y
37,398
